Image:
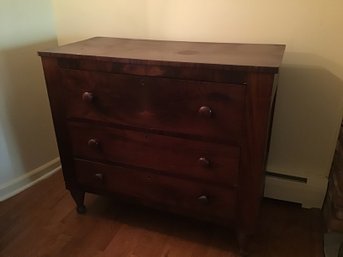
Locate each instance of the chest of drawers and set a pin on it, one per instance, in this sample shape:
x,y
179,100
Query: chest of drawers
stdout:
x,y
177,126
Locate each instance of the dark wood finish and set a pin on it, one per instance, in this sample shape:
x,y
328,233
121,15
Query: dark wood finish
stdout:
x,y
151,151
42,222
166,193
178,126
253,151
148,102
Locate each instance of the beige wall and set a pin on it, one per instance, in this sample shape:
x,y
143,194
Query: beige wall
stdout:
x,y
26,134
310,100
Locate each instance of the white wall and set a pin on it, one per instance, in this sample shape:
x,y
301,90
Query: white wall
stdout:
x,y
310,98
26,135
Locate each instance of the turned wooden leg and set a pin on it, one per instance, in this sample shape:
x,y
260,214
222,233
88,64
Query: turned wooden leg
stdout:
x,y
79,197
243,239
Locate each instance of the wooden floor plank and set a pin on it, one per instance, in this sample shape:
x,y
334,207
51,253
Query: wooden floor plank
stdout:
x,y
42,222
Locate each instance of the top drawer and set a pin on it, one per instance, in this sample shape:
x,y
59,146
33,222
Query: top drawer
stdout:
x,y
213,110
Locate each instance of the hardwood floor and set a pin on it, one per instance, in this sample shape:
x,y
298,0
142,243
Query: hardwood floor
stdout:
x,y
42,221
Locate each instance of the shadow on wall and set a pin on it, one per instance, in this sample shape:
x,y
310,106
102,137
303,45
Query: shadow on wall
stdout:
x,y
308,114
25,118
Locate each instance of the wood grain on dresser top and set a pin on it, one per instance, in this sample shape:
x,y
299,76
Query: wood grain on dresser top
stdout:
x,y
231,56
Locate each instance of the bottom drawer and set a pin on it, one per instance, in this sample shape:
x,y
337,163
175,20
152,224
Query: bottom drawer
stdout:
x,y
177,195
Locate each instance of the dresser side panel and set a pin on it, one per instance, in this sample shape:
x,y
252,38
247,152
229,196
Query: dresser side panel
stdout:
x,y
54,85
259,98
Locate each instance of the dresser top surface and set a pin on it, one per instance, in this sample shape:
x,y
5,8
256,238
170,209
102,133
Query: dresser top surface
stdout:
x,y
262,57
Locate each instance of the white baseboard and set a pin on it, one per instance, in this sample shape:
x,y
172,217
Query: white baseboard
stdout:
x,y
28,179
310,192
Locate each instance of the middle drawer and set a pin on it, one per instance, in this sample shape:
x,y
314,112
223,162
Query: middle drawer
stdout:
x,y
212,162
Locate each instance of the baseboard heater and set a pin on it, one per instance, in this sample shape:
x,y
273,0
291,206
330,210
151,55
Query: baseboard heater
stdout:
x,y
308,191
288,177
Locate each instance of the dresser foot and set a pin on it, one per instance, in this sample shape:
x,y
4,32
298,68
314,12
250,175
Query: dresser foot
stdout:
x,y
79,197
81,209
243,239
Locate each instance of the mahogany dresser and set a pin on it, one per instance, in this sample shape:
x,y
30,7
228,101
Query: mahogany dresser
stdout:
x,y
178,126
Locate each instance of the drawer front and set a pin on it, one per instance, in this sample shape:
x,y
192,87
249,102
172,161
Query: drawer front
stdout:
x,y
216,163
163,192
192,107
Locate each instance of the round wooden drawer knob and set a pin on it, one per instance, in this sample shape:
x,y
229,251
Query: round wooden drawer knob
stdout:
x,y
88,97
93,143
205,111
99,177
204,162
203,199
